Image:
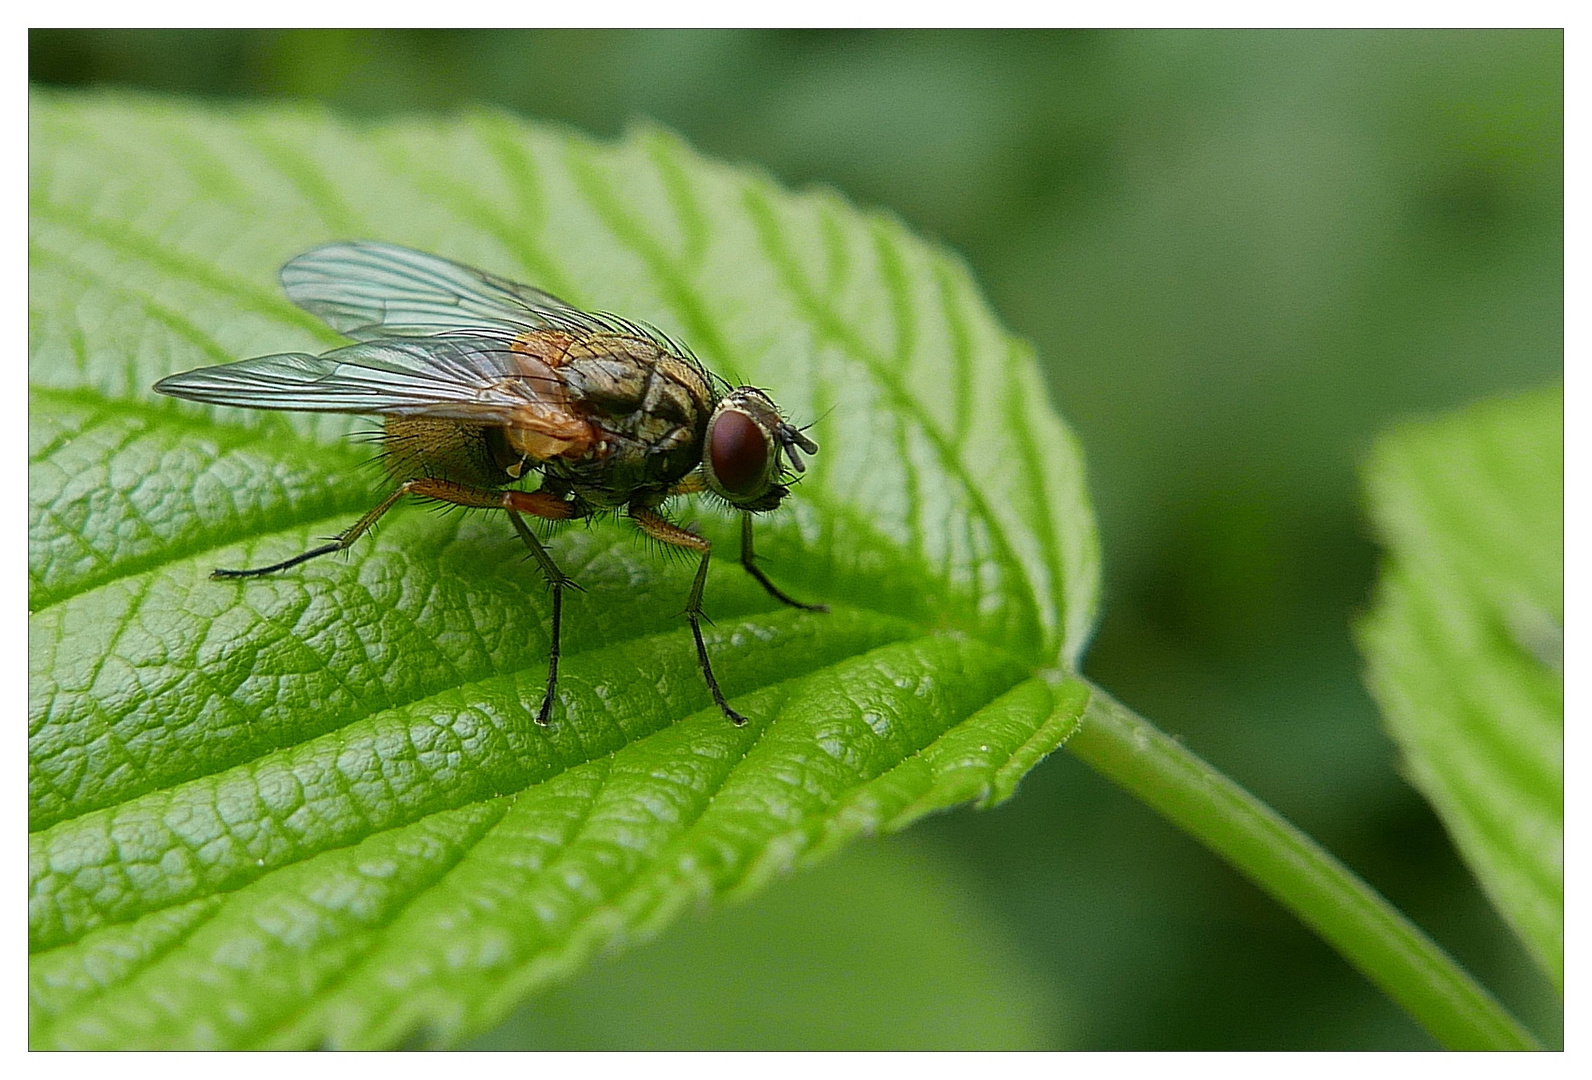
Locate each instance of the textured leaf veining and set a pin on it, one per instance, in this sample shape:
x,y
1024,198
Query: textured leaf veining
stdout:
x,y
312,809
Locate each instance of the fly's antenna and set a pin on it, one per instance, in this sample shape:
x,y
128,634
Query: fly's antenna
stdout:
x,y
790,440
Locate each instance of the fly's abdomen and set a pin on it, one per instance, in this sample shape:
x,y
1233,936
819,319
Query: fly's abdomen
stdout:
x,y
420,447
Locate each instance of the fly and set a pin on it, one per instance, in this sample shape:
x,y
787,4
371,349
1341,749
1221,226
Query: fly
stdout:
x,y
481,380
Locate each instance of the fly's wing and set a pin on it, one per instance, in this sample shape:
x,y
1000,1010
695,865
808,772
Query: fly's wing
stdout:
x,y
476,380
368,290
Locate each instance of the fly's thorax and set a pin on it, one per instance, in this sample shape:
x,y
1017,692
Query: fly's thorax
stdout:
x,y
648,407
422,447
620,376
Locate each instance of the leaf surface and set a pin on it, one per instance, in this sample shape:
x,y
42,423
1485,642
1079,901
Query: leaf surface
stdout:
x,y
1465,645
313,809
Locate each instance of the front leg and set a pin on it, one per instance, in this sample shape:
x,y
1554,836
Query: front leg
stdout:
x,y
669,533
692,484
747,560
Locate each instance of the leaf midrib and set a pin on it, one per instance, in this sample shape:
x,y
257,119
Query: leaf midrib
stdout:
x,y
228,436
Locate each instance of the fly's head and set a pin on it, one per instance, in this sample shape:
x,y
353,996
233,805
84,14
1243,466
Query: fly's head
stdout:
x,y
750,451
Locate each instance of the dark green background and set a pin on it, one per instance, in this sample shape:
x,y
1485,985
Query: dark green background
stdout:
x,y
1240,256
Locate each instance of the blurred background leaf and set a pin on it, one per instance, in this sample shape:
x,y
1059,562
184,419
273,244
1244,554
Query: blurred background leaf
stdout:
x,y
1465,647
881,948
1241,255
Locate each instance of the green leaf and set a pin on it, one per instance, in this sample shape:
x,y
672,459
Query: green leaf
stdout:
x,y
313,809
1465,645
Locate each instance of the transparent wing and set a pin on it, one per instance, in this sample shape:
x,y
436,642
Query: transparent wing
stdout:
x,y
369,290
473,379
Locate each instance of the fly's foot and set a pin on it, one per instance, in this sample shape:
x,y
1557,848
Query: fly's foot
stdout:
x,y
707,671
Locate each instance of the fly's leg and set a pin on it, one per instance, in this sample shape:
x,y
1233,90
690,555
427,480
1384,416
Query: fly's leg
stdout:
x,y
559,581
748,560
659,529
516,503
536,502
691,485
540,504
338,543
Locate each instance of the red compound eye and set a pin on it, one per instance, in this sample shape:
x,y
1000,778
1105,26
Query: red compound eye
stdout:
x,y
738,452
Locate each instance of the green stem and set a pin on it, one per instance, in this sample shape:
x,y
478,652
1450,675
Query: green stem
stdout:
x,y
1348,914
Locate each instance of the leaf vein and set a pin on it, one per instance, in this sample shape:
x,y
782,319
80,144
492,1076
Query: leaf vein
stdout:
x,y
832,327
961,356
307,178
374,940
205,275
629,232
1037,470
